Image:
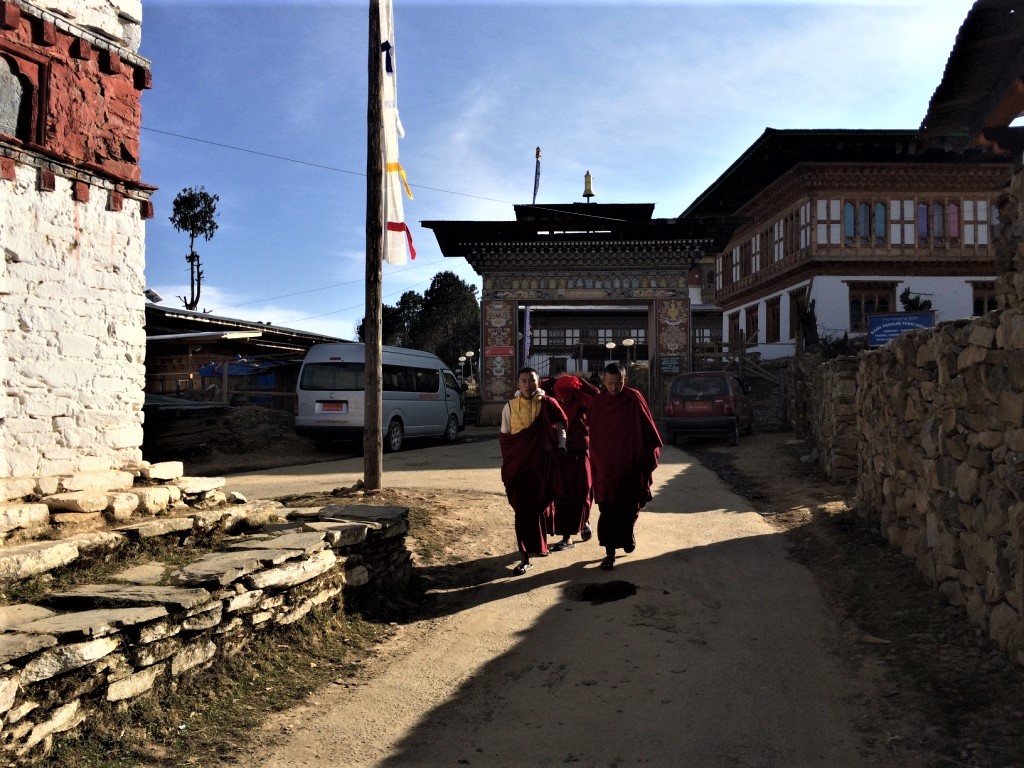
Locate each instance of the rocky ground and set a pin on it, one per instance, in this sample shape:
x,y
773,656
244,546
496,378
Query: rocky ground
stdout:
x,y
953,698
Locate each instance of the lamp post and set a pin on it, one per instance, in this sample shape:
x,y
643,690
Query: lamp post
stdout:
x,y
628,344
469,356
462,365
610,345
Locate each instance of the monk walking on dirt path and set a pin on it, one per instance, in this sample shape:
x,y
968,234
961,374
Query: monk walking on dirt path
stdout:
x,y
532,430
624,448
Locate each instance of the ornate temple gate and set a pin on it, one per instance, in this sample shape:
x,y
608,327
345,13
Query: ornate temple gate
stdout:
x,y
580,254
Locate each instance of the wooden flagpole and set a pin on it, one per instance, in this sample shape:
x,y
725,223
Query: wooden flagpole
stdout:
x,y
372,451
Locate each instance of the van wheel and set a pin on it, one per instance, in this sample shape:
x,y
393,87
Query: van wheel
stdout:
x,y
734,435
393,439
451,430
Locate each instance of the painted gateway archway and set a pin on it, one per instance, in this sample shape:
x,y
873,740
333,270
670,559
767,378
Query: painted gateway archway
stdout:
x,y
600,258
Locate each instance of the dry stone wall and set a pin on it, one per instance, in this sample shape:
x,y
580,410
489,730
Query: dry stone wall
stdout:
x,y
249,567
937,423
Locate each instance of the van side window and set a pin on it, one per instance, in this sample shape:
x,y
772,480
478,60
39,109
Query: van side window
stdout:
x,y
427,380
329,377
450,381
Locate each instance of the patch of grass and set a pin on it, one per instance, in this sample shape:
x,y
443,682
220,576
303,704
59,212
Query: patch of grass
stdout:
x,y
206,717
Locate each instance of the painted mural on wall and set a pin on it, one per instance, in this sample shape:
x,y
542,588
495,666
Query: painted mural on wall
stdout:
x,y
499,349
673,343
585,287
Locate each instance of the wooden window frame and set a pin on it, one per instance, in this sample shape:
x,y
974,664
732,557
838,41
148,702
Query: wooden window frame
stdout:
x,y
858,295
773,320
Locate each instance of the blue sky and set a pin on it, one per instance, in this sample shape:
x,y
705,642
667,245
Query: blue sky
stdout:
x,y
264,104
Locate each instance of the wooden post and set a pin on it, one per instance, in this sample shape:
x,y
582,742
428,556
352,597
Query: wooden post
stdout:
x,y
372,452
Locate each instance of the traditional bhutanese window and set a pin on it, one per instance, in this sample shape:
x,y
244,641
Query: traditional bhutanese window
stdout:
x,y
805,226
19,86
984,295
539,337
922,222
829,224
778,249
868,298
736,268
936,227
849,223
734,330
709,277
976,222
773,319
745,263
953,221
639,334
604,335
879,220
901,222
796,299
755,253
751,329
719,267
864,223
572,336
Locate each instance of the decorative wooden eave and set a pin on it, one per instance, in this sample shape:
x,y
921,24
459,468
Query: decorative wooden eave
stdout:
x,y
575,242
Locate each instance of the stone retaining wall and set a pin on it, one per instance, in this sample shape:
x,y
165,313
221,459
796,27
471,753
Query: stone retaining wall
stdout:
x,y
936,420
259,565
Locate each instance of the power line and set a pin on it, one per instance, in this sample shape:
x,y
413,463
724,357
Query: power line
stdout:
x,y
362,174
314,290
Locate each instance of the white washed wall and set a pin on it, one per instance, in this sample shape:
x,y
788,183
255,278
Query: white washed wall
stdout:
x,y
72,367
118,19
952,298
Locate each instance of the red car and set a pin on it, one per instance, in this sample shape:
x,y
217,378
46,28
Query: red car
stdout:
x,y
708,404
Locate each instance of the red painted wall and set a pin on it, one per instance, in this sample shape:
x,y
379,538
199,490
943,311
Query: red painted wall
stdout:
x,y
87,103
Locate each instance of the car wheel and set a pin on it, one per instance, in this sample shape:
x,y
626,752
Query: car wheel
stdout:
x,y
393,439
734,435
451,430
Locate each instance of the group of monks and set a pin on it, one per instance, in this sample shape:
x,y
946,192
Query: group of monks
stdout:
x,y
562,453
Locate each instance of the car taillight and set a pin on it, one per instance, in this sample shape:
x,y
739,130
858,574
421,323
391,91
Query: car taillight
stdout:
x,y
669,410
728,405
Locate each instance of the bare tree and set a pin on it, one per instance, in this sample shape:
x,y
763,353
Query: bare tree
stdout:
x,y
194,212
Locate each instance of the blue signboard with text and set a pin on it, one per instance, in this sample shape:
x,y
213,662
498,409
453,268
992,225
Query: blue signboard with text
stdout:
x,y
883,328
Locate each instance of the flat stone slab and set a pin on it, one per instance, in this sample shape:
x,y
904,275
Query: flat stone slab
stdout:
x,y
163,470
302,513
137,594
227,567
191,486
364,513
305,542
159,527
148,573
95,623
15,645
13,616
340,534
24,560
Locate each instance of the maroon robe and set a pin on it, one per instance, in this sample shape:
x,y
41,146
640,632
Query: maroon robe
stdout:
x,y
575,496
624,448
529,472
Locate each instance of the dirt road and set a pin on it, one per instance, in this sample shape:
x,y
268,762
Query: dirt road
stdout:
x,y
707,646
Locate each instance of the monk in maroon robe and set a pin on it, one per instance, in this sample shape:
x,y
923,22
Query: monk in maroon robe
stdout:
x,y
532,433
624,448
575,494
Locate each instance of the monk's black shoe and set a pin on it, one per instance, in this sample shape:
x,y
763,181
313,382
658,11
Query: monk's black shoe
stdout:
x,y
558,546
608,563
522,568
632,545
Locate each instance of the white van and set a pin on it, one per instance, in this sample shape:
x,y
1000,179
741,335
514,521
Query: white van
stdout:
x,y
421,396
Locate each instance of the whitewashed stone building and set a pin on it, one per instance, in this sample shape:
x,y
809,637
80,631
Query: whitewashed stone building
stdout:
x,y
72,214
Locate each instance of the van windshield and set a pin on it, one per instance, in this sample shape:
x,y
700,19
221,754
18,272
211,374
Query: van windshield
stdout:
x,y
333,377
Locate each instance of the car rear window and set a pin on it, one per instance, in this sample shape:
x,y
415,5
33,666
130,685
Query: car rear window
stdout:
x,y
699,386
